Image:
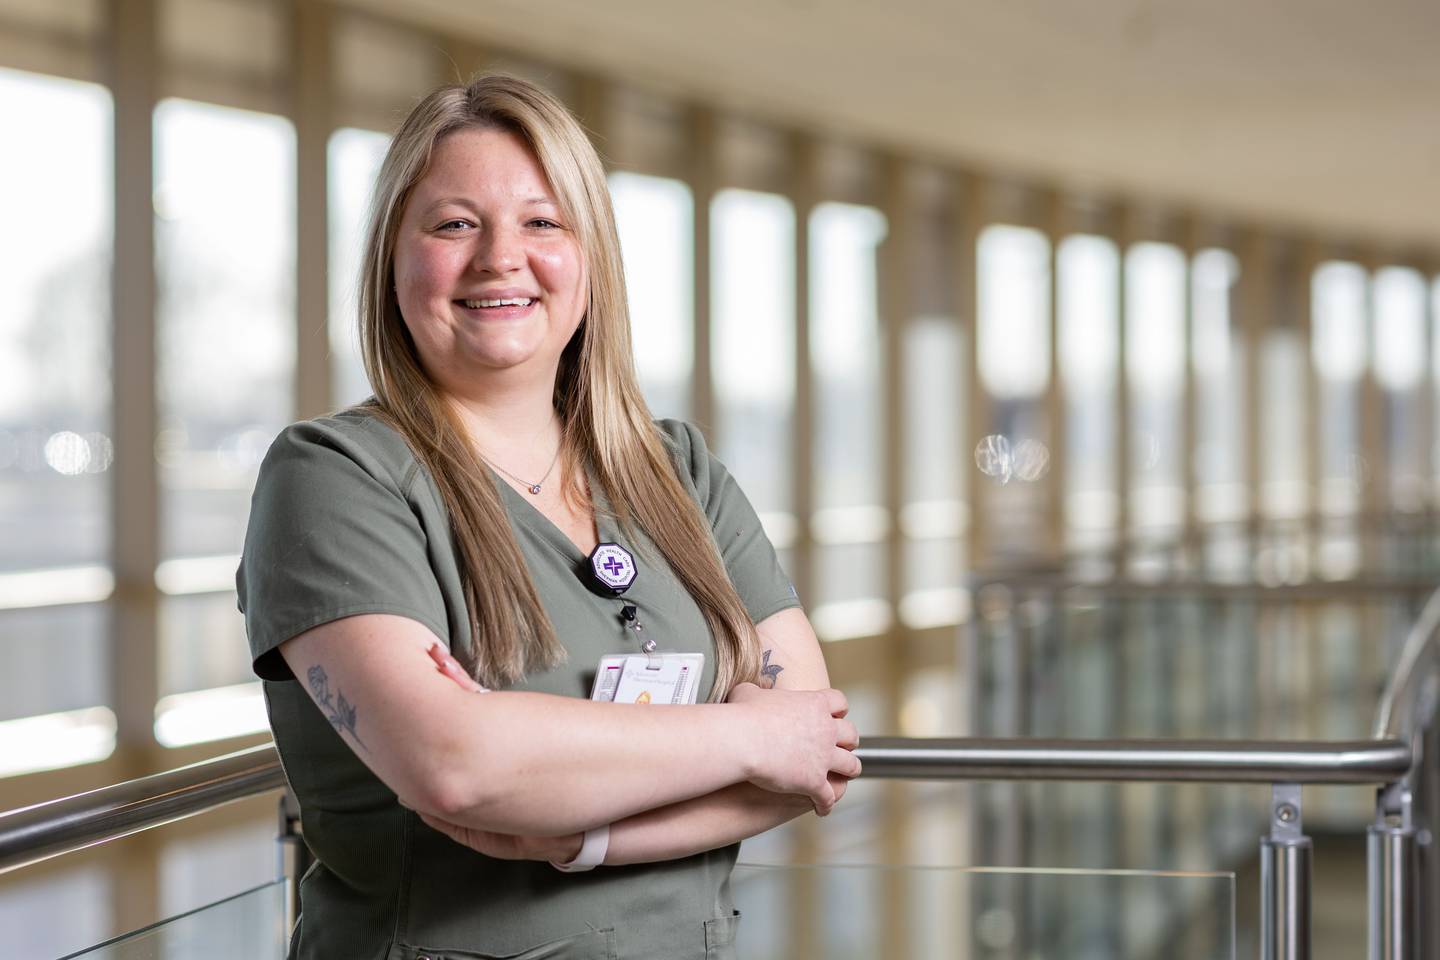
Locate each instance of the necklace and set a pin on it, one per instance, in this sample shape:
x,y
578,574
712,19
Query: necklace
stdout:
x,y
534,488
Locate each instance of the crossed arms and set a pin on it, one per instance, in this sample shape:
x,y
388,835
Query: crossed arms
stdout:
x,y
522,775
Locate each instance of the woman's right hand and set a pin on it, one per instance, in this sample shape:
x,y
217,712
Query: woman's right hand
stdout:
x,y
802,740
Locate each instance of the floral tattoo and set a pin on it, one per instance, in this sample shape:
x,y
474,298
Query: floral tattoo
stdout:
x,y
769,672
339,711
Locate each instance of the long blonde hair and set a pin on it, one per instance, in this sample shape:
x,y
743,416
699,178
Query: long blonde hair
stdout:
x,y
604,419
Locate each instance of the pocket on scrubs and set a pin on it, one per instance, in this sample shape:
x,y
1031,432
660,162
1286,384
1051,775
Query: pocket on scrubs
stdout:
x,y
720,937
594,945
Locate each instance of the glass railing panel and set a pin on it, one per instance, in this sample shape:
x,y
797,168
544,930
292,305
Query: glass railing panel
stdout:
x,y
1099,662
249,925
970,913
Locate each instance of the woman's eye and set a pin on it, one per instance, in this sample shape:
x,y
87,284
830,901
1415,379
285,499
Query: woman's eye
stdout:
x,y
547,224
453,225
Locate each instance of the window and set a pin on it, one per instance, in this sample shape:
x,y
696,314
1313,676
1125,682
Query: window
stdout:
x,y
1338,295
1013,277
753,339
1089,346
655,218
353,159
932,519
850,522
56,242
1155,325
1399,294
225,250
1220,428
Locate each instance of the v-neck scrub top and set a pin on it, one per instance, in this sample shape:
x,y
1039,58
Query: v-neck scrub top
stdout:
x,y
345,521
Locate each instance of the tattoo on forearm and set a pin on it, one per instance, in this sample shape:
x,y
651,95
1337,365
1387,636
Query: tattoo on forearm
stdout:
x,y
769,672
339,711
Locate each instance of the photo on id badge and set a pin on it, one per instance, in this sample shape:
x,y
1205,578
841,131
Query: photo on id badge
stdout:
x,y
648,679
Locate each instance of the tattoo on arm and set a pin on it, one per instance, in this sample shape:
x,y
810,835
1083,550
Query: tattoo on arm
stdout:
x,y
769,672
339,711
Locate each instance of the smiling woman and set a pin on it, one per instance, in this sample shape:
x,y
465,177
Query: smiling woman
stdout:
x,y
482,217
389,568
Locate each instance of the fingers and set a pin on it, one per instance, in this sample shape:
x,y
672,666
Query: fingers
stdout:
x,y
741,692
845,763
824,799
846,735
835,700
449,666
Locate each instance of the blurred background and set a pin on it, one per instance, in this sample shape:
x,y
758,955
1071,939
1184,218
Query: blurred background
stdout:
x,y
1080,360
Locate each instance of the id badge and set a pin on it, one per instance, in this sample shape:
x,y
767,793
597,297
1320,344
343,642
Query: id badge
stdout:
x,y
657,678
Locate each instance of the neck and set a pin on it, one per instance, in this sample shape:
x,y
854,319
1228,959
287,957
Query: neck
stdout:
x,y
516,428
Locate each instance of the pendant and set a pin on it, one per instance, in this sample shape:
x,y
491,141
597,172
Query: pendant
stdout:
x,y
535,489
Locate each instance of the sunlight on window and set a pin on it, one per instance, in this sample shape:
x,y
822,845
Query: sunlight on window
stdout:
x,y
1339,353
1155,287
55,244
205,715
1154,369
1089,339
655,219
1088,308
1338,304
1014,305
55,740
753,337
225,259
1214,274
1399,328
225,238
1220,430
845,353
353,158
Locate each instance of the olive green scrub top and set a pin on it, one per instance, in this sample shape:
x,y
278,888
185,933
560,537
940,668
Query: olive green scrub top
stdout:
x,y
344,521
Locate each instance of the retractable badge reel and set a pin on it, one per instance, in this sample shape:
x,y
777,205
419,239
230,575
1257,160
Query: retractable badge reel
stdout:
x,y
614,571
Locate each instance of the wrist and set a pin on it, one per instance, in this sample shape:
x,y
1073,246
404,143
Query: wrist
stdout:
x,y
745,733
591,854
565,849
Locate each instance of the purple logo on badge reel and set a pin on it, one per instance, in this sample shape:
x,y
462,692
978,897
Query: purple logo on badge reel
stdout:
x,y
613,567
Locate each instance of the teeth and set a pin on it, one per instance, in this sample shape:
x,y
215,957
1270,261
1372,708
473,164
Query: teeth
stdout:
x,y
508,302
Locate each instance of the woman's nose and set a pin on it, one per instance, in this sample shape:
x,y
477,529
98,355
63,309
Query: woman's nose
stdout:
x,y
499,250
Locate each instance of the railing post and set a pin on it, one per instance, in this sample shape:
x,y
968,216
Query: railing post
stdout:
x,y
1393,877
295,858
1393,874
1285,880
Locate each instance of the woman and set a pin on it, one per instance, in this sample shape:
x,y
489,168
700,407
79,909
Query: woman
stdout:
x,y
400,534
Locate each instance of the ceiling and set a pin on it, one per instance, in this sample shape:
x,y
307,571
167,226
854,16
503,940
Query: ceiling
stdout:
x,y
1311,115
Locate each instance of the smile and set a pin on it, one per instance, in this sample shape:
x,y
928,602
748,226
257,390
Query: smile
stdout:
x,y
489,304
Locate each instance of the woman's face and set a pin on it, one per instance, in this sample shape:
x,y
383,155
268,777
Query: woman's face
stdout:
x,y
488,273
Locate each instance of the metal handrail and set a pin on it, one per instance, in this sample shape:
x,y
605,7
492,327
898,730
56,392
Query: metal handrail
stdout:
x,y
45,830
1198,761
1421,640
31,834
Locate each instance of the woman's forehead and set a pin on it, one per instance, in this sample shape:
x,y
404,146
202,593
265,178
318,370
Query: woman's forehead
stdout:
x,y
490,162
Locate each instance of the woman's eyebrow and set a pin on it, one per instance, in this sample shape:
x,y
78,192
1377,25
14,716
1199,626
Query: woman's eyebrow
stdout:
x,y
470,204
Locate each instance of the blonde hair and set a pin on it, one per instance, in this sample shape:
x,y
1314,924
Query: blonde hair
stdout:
x,y
604,419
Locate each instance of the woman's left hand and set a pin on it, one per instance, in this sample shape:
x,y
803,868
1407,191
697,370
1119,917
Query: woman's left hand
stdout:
x,y
504,846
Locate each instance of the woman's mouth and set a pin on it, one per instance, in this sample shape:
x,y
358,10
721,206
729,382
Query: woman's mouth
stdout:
x,y
492,304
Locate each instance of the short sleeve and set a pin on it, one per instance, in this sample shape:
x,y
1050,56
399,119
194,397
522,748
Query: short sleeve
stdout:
x,y
332,534
748,554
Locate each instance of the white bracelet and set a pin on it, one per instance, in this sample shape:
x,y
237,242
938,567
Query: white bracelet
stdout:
x,y
592,852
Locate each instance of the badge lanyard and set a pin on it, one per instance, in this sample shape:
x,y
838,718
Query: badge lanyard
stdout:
x,y
613,570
